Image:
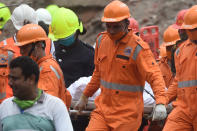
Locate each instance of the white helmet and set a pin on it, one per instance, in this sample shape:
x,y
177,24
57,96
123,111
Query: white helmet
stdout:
x,y
23,14
44,15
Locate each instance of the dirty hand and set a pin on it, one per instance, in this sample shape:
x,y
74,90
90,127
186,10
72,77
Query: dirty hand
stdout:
x,y
159,112
81,104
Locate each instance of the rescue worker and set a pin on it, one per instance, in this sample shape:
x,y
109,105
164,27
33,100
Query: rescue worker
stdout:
x,y
4,16
123,62
31,41
172,90
6,55
170,37
44,20
31,108
182,34
184,115
21,15
75,57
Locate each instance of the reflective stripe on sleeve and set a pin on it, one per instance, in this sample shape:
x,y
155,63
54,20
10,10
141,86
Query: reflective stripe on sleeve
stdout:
x,y
137,51
187,83
41,68
122,87
177,51
10,56
99,40
55,71
4,42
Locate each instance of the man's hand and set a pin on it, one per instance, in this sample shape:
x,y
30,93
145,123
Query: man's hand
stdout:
x,y
81,104
159,112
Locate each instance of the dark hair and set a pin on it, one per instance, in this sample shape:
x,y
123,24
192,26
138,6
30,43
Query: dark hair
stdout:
x,y
27,65
44,26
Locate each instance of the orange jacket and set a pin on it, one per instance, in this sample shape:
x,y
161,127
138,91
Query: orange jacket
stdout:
x,y
121,70
8,51
51,79
48,46
10,44
185,85
172,89
166,71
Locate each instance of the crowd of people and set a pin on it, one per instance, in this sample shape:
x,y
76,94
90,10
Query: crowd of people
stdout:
x,y
45,59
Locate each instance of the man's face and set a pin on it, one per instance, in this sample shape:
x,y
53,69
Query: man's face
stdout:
x,y
169,52
21,87
192,34
24,50
115,27
183,34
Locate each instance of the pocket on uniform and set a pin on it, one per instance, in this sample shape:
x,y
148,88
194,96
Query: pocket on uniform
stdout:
x,y
122,59
102,60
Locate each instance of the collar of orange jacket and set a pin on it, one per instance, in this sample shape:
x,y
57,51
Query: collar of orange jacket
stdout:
x,y
125,40
44,58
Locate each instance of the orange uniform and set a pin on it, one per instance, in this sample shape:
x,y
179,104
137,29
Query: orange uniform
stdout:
x,y
52,80
166,71
184,115
172,89
13,51
7,52
121,69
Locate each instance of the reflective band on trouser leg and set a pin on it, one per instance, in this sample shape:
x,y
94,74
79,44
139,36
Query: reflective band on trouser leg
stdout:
x,y
187,83
2,95
122,87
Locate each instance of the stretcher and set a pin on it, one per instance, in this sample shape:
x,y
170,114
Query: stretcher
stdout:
x,y
90,107
76,89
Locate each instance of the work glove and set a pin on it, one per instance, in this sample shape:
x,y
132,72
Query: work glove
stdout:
x,y
159,112
81,104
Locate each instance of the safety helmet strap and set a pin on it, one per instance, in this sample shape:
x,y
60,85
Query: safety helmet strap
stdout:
x,y
32,49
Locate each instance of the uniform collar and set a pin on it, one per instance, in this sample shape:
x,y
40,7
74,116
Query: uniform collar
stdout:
x,y
44,58
126,38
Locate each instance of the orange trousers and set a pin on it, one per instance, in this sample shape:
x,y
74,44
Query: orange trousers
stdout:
x,y
99,123
180,120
